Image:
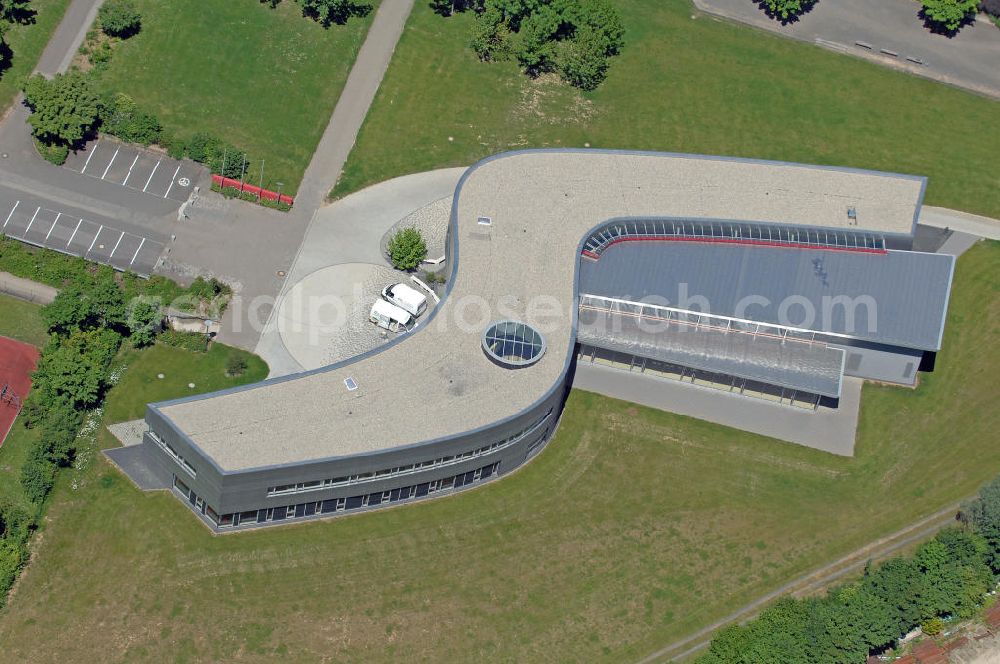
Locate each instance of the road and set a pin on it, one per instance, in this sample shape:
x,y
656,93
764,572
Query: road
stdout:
x,y
967,59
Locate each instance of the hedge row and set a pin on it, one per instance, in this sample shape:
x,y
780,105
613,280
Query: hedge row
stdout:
x,y
948,578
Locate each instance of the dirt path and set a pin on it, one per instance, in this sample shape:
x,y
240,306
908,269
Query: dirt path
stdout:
x,y
812,582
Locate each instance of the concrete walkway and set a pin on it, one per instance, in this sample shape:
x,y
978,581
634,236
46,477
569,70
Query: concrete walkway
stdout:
x,y
972,224
26,289
967,60
66,40
824,429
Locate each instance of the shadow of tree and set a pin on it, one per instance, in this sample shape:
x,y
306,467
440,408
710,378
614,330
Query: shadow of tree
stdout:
x,y
327,14
6,57
22,15
807,6
940,29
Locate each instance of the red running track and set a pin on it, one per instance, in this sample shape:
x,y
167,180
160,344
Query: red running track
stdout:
x,y
17,361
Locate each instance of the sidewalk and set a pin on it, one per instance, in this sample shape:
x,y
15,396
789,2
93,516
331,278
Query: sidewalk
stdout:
x,y
25,289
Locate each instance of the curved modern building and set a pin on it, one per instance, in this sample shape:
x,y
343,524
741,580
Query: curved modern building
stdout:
x,y
801,274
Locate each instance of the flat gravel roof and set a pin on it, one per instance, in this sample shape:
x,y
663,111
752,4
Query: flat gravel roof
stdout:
x,y
437,382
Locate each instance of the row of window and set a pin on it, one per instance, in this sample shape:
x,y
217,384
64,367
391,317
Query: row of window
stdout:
x,y
317,485
332,505
172,453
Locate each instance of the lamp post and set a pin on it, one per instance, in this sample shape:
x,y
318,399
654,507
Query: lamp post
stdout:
x,y
280,185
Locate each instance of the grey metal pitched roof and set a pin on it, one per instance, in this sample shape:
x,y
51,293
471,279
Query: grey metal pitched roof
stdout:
x,y
814,368
897,298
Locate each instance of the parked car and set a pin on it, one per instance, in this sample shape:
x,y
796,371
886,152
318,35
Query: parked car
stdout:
x,y
390,317
406,297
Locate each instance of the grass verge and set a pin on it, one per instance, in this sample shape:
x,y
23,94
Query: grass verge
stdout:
x,y
27,43
632,529
264,79
685,82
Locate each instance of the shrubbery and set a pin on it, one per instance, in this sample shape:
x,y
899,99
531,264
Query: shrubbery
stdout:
x,y
407,249
121,117
575,38
948,577
195,342
119,18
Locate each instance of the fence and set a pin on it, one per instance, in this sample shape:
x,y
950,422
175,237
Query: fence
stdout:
x,y
266,194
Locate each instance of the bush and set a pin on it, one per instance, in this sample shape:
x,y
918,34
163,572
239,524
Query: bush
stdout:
x,y
122,118
37,478
56,153
195,342
236,364
407,249
932,626
119,18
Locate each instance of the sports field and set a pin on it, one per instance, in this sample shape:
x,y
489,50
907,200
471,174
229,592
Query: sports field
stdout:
x,y
685,82
633,528
17,361
264,79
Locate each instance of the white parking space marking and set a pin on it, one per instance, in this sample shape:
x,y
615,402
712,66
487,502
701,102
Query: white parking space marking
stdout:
x,y
151,175
172,180
136,254
108,167
58,214
92,242
130,168
111,255
89,157
32,221
70,241
16,203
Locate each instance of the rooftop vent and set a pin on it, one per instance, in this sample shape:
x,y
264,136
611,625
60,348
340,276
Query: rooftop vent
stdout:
x,y
350,384
485,221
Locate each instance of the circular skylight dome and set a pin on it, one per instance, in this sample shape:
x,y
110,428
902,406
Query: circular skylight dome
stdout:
x,y
513,344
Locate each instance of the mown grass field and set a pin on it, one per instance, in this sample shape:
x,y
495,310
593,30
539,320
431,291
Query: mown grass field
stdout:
x,y
22,321
264,79
27,43
633,528
686,82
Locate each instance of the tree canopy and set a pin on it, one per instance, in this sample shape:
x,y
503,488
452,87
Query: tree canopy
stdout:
x,y
949,14
64,109
328,12
572,37
787,9
119,18
407,249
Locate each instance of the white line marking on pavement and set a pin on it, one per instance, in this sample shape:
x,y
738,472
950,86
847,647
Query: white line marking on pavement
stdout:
x,y
16,203
136,254
108,167
58,214
172,181
74,233
116,245
89,157
32,221
151,175
130,169
92,242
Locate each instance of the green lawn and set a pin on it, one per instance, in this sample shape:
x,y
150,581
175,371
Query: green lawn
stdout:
x,y
633,528
22,321
265,80
27,42
682,84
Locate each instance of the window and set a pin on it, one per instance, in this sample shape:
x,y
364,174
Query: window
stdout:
x,y
513,344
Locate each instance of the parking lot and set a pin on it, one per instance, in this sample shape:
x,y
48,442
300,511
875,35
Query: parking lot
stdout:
x,y
70,234
135,168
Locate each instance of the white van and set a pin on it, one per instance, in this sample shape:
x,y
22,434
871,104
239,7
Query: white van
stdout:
x,y
390,317
406,297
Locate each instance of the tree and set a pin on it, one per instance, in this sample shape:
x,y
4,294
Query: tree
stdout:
x,y
70,310
144,321
949,14
64,109
407,249
119,18
582,62
787,9
16,11
327,12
